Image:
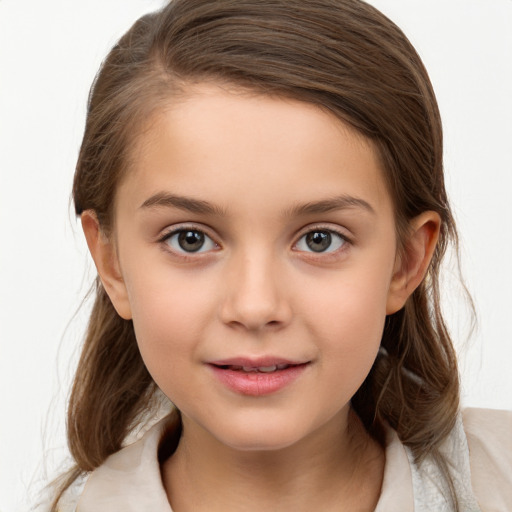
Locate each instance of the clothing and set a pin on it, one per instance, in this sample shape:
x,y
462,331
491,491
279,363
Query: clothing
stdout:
x,y
479,448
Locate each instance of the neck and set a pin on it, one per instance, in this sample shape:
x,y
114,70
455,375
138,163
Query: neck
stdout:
x,y
338,468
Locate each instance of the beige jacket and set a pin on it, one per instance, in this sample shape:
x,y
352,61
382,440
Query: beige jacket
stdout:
x,y
479,448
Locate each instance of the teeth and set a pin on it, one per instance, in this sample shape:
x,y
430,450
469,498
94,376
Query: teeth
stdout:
x,y
267,369
262,369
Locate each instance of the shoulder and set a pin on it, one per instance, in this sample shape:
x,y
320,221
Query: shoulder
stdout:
x,y
130,479
68,501
489,436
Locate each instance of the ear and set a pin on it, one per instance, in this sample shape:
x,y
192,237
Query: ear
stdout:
x,y
412,265
104,254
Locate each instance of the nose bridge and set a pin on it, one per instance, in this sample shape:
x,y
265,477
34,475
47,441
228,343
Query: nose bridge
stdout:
x,y
255,296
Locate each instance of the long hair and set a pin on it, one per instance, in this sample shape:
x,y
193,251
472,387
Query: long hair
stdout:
x,y
343,56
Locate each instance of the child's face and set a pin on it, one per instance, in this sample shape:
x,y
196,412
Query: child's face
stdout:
x,y
254,231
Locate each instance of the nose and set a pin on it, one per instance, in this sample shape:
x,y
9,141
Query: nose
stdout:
x,y
255,295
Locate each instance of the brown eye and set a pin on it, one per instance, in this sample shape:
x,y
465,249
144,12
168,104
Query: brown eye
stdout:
x,y
190,241
321,240
318,241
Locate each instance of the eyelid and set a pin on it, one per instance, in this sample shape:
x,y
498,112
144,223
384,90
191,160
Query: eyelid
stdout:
x,y
332,228
177,228
183,226
323,227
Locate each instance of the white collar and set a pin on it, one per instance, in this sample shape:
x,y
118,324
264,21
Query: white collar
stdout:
x,y
130,479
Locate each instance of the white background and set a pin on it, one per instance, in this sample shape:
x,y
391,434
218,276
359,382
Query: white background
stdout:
x,y
49,53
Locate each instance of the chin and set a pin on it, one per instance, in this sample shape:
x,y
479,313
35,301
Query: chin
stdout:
x,y
260,436
259,443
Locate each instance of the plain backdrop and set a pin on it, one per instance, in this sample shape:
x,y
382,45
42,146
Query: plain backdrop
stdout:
x,y
49,53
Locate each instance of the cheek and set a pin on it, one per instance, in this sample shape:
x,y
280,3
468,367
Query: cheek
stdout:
x,y
355,341
348,318
354,324
169,313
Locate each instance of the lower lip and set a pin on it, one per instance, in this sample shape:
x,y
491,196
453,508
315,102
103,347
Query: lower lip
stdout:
x,y
258,383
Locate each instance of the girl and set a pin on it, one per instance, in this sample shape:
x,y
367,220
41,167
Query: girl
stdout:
x,y
261,188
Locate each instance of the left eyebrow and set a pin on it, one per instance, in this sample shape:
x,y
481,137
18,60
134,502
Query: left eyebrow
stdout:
x,y
166,200
328,205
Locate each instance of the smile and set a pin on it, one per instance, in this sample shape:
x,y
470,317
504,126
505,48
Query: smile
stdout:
x,y
262,369
258,379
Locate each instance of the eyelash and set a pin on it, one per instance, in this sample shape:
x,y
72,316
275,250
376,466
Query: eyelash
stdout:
x,y
343,238
166,237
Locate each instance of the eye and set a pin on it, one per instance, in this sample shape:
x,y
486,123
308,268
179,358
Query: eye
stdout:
x,y
190,240
321,240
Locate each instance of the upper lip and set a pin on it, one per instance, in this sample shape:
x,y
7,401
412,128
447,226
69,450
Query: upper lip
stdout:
x,y
256,362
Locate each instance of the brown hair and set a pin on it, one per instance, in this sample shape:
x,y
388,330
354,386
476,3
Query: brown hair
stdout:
x,y
341,55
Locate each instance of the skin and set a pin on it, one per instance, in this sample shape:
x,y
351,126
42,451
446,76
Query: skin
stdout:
x,y
256,288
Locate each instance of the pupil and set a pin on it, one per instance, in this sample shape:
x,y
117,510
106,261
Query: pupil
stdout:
x,y
318,241
191,241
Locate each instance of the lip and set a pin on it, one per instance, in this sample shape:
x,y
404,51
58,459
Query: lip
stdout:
x,y
256,362
253,383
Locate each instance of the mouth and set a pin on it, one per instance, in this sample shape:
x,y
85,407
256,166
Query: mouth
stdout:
x,y
258,377
259,369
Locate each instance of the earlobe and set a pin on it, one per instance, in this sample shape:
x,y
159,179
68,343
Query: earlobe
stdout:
x,y
412,265
103,253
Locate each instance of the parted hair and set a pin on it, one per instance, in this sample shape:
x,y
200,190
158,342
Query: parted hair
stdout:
x,y
348,59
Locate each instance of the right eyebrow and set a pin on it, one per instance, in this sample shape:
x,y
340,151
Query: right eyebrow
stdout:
x,y
167,200
327,205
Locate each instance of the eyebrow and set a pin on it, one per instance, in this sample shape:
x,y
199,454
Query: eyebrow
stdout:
x,y
166,200
328,205
199,206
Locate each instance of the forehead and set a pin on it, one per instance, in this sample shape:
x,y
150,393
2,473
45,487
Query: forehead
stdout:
x,y
241,149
